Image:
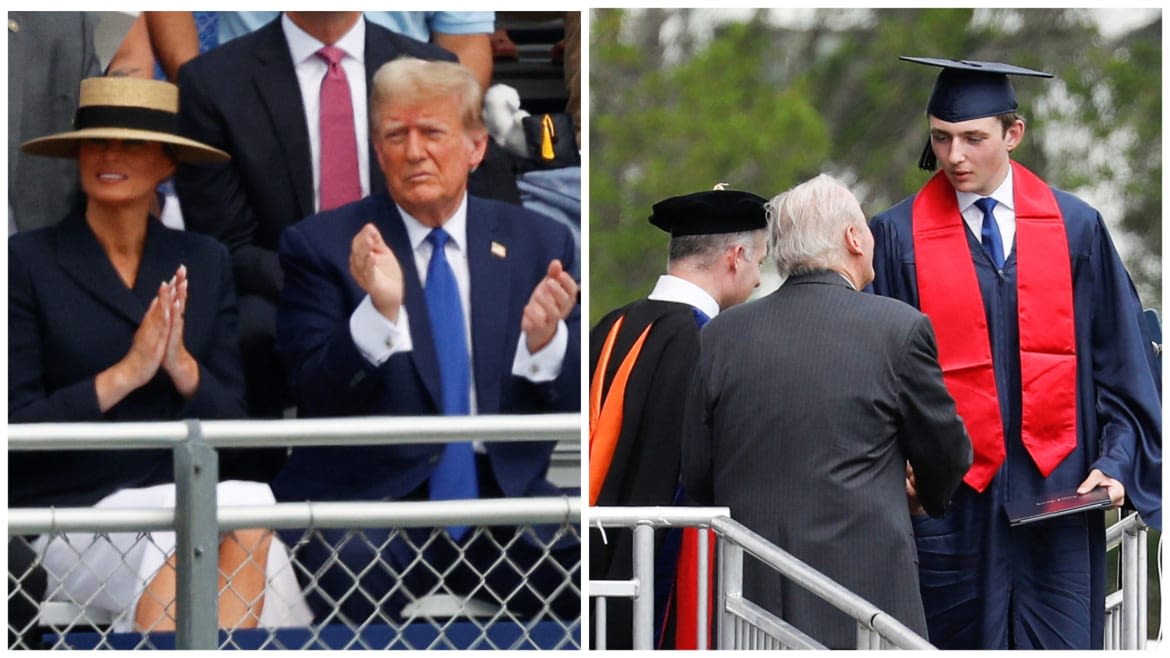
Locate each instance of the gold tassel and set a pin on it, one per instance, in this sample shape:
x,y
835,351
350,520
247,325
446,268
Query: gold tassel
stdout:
x,y
548,134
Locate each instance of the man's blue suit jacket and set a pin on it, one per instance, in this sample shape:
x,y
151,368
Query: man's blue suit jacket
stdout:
x,y
331,378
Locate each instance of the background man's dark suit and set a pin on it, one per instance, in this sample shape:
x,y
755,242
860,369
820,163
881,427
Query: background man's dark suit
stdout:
x,y
508,250
804,409
243,97
49,53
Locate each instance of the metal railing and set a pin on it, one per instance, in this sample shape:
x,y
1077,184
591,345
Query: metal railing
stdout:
x,y
198,520
742,624
644,520
1126,625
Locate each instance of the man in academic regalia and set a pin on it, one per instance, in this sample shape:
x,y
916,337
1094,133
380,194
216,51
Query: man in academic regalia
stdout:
x,y
1042,344
641,357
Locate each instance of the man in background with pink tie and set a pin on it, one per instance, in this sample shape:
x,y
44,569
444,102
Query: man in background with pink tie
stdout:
x,y
276,100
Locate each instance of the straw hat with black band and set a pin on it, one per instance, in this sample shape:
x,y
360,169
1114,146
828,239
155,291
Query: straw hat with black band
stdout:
x,y
126,108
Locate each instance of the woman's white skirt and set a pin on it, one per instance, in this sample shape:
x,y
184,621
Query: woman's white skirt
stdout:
x,y
108,572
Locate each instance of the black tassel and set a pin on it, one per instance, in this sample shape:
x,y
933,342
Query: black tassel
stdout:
x,y
928,162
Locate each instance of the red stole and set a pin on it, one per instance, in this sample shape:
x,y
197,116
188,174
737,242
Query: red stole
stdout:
x,y
686,591
948,292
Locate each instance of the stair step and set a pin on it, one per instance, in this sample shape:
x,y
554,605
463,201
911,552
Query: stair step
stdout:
x,y
539,81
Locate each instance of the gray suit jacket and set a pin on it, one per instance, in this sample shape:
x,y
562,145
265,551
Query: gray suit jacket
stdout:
x,y
805,407
49,53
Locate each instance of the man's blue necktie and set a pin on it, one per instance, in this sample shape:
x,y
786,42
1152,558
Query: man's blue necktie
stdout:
x,y
454,477
992,241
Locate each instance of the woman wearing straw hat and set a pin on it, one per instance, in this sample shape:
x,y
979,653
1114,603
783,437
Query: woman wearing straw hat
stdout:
x,y
113,316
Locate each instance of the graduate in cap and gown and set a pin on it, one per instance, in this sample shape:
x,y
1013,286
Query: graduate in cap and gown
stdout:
x,y
1043,346
641,359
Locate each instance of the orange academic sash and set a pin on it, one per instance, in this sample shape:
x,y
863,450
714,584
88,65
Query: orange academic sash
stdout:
x,y
605,418
605,426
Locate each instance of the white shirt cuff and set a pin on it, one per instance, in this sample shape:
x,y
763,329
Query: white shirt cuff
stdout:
x,y
545,364
376,337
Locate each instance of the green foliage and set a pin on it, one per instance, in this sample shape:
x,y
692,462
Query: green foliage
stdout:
x,y
718,117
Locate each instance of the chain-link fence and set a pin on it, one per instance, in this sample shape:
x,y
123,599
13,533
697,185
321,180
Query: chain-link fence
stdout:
x,y
331,575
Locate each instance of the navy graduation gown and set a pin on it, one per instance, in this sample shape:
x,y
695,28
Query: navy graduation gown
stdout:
x,y
985,584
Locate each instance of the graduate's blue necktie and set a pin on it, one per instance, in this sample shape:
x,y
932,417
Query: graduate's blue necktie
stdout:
x,y
992,241
454,477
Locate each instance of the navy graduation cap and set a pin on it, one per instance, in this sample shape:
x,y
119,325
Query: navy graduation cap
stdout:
x,y
715,211
967,90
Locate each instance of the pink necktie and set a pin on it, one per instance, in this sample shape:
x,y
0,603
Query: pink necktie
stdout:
x,y
339,159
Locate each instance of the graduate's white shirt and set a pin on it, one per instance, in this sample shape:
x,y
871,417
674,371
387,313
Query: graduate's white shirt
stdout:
x,y
1004,211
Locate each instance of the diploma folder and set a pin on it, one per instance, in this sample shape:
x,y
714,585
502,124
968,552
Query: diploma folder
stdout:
x,y
1030,510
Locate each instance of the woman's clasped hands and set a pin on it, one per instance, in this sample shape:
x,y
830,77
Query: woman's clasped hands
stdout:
x,y
158,343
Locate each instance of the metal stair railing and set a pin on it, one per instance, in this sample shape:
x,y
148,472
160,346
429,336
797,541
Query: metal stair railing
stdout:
x,y
745,625
742,624
1126,610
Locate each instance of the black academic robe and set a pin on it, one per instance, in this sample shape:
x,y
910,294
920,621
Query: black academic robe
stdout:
x,y
645,465
985,584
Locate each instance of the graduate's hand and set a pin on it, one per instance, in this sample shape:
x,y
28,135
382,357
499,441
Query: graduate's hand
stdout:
x,y
1098,479
552,300
377,272
916,508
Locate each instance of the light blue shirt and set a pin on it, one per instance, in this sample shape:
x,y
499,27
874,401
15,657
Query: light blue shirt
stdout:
x,y
414,24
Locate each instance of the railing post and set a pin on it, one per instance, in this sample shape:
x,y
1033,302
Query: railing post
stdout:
x,y
701,611
730,562
1134,585
600,624
643,631
867,638
1143,584
197,536
1129,590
